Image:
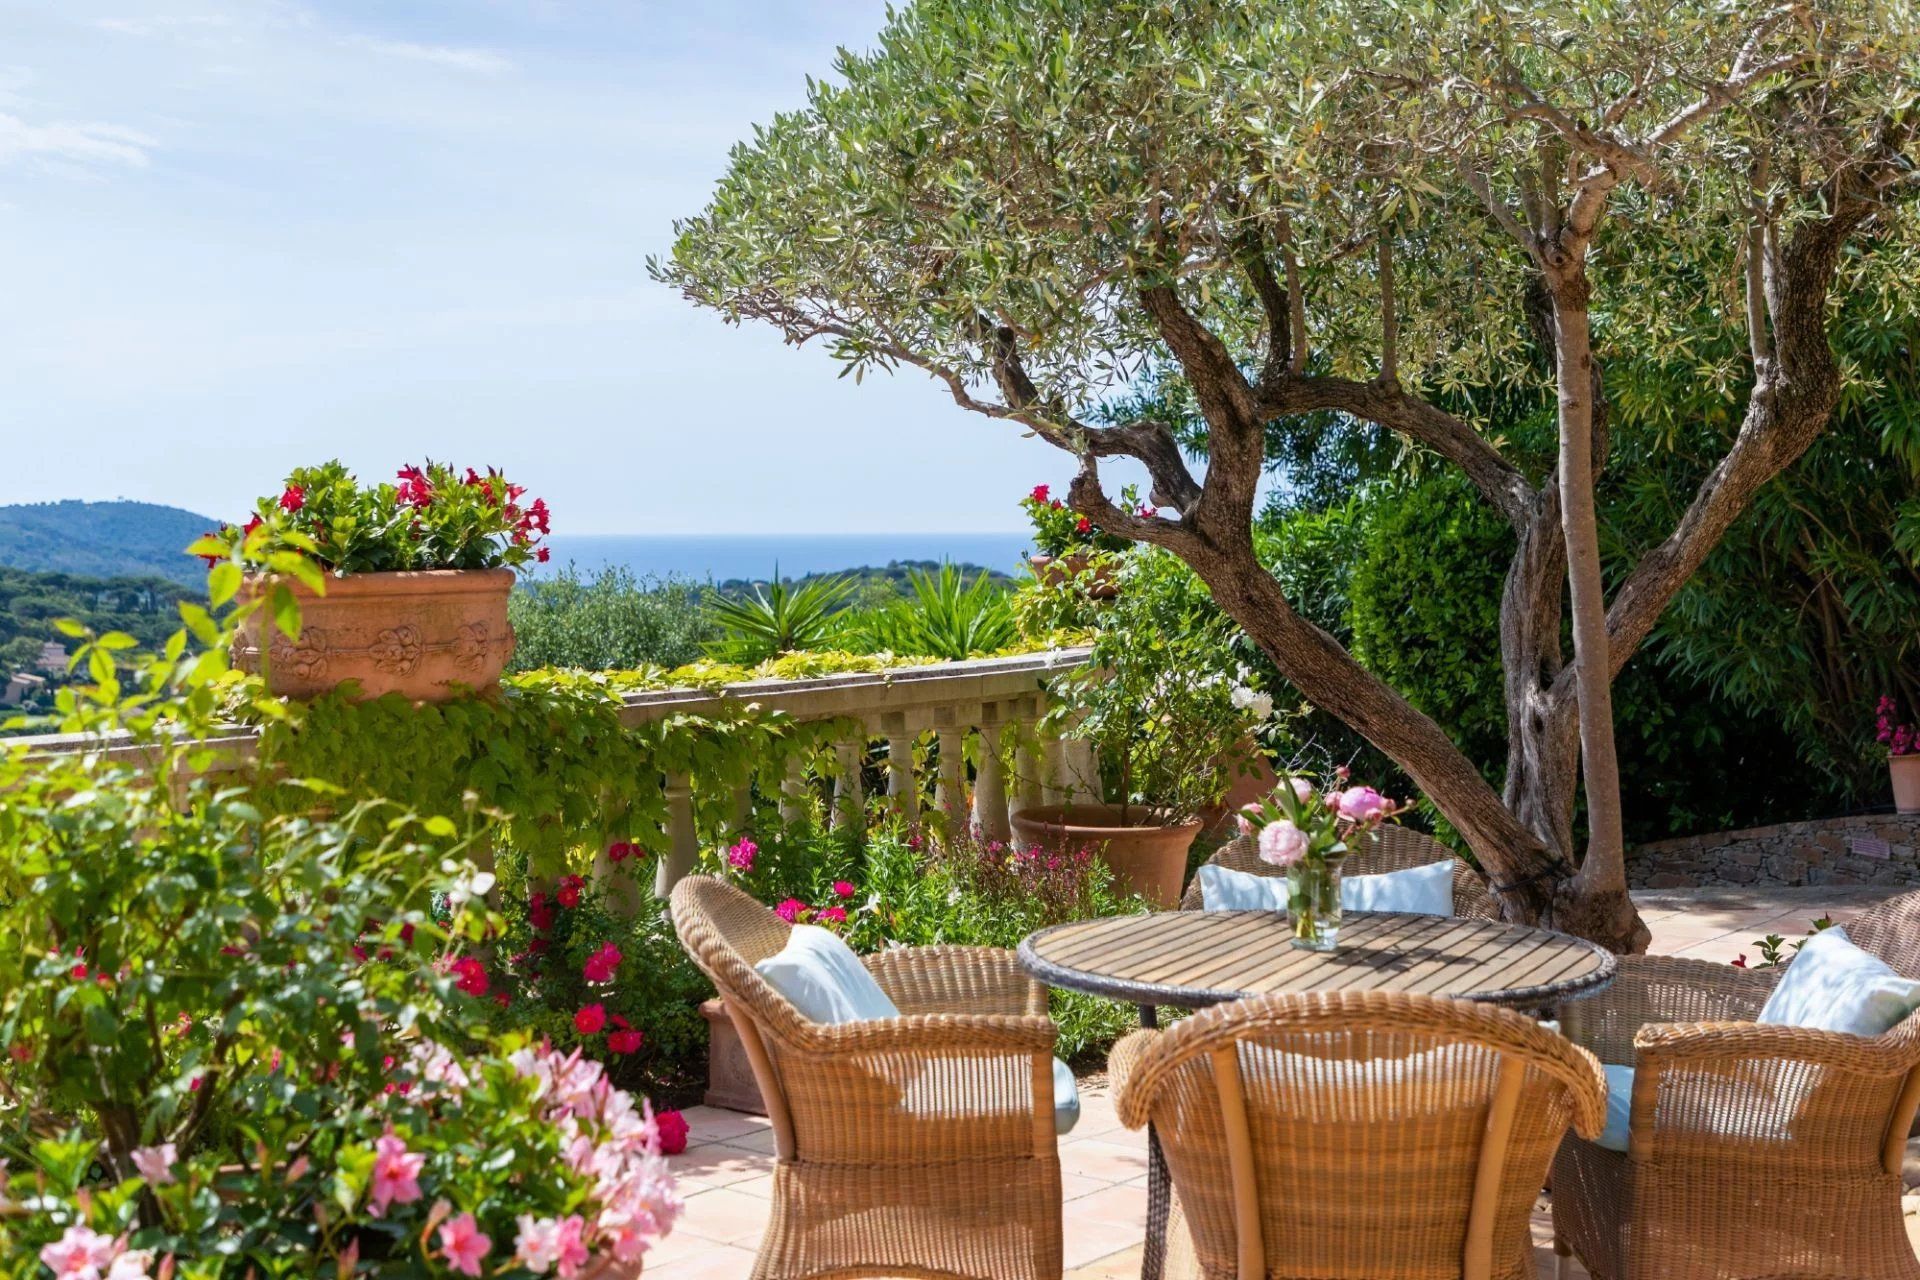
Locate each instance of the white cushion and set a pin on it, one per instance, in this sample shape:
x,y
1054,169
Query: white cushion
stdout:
x,y
1424,890
822,978
1832,985
1619,1107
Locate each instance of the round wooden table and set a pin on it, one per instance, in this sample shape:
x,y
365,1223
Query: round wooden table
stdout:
x,y
1195,958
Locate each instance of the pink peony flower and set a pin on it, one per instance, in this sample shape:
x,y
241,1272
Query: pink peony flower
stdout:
x,y
1245,819
155,1164
464,1245
1302,789
396,1173
1363,804
1282,844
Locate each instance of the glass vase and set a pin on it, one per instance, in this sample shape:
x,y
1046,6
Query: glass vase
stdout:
x,y
1313,901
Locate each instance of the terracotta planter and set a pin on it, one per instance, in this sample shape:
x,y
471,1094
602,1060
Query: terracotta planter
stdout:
x,y
730,1080
425,636
1906,782
1253,779
1055,571
1148,860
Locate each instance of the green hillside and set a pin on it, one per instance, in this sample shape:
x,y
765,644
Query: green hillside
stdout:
x,y
103,539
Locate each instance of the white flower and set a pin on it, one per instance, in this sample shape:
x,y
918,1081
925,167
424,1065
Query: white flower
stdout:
x,y
471,882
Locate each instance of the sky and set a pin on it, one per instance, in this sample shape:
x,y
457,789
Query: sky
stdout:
x,y
237,236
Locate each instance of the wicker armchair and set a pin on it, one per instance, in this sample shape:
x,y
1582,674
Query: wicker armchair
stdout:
x,y
1394,848
1351,1135
921,1145
1754,1150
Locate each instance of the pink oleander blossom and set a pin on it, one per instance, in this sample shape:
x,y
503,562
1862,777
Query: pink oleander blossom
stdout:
x,y
843,889
791,909
740,856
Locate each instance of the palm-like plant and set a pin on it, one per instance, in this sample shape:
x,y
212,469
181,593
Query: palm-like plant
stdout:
x,y
782,618
946,617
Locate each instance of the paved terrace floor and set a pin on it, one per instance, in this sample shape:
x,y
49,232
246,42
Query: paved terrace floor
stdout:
x,y
726,1171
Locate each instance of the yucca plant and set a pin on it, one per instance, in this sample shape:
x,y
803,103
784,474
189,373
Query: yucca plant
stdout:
x,y
946,616
782,618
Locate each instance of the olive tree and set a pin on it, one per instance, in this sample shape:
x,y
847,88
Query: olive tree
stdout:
x,y
1367,208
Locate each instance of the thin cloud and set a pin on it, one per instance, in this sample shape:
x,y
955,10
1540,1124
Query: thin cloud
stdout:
x,y
459,57
85,143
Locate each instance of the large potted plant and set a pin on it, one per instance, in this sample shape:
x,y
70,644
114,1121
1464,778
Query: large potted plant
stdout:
x,y
1903,755
1069,548
411,597
1166,707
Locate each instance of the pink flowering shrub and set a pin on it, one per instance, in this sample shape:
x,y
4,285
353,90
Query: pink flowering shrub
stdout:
x,y
1899,739
238,1044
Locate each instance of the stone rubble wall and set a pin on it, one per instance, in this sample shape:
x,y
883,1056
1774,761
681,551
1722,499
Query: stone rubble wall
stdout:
x,y
1869,848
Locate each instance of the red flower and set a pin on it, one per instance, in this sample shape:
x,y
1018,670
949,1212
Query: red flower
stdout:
x,y
543,555
79,973
539,914
621,850
1039,494
502,999
626,1039
414,489
1083,525
791,910
601,964
1741,963
672,1128
293,498
834,915
473,976
568,893
842,889
590,1019
253,522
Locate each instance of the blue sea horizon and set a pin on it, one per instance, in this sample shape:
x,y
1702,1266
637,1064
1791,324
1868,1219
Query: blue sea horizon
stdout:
x,y
722,556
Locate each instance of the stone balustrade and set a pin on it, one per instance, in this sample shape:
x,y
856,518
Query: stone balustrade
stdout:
x,y
959,736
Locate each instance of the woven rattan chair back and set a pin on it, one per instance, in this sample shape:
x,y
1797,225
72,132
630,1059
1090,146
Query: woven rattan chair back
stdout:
x,y
1393,848
1359,1135
1892,932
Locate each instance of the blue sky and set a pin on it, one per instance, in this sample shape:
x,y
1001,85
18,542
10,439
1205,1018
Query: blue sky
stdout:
x,y
238,235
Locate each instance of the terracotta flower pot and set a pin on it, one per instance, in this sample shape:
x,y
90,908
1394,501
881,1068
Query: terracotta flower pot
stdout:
x,y
1150,860
1253,779
1054,571
424,635
1906,782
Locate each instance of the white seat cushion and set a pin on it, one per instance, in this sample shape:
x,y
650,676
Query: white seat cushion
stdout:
x,y
1424,890
1832,985
822,978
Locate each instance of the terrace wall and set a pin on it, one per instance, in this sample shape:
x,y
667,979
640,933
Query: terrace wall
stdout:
x,y
1867,848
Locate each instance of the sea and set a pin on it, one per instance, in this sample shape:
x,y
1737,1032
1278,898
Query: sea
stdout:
x,y
754,557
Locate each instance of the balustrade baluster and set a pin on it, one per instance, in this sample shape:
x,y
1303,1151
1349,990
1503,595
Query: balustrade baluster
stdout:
x,y
849,791
989,787
683,842
950,791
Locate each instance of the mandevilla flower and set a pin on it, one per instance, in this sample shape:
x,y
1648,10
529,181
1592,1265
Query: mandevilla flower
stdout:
x,y
155,1164
464,1245
396,1174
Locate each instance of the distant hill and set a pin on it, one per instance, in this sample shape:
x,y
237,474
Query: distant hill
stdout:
x,y
103,539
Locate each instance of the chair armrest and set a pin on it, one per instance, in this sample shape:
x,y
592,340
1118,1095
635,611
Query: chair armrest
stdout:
x,y
1772,1088
987,980
1130,1103
1662,989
